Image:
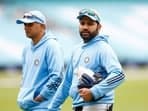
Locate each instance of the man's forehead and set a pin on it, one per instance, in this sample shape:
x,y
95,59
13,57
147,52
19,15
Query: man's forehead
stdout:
x,y
85,18
33,24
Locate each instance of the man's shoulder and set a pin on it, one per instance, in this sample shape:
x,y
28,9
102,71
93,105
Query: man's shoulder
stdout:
x,y
50,38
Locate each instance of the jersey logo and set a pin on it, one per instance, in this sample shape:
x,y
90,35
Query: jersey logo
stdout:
x,y
36,62
86,60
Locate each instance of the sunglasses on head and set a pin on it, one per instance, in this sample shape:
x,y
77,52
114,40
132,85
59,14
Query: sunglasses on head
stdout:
x,y
86,11
89,12
31,16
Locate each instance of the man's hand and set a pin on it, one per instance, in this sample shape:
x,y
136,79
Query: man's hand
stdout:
x,y
86,94
39,98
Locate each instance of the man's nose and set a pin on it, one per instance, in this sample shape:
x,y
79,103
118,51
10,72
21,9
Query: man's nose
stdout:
x,y
85,26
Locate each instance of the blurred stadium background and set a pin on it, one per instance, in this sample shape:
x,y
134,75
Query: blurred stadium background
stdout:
x,y
125,21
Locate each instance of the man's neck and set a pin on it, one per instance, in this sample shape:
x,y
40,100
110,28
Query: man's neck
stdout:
x,y
37,38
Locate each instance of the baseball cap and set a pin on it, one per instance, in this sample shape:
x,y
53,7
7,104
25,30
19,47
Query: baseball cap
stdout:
x,y
32,16
91,13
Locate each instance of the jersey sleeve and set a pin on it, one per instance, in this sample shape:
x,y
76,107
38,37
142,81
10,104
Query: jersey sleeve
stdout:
x,y
115,75
62,92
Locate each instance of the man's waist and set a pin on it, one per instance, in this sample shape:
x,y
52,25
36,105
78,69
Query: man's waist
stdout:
x,y
94,107
103,100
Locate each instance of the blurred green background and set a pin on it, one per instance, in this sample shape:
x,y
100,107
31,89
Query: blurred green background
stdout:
x,y
132,95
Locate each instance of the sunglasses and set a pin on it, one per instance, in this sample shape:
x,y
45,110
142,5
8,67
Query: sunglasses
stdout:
x,y
89,12
31,16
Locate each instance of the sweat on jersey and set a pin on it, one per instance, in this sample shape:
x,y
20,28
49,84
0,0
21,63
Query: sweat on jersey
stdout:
x,y
42,73
98,56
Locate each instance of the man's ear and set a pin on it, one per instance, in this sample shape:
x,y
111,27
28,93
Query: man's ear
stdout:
x,y
99,25
44,26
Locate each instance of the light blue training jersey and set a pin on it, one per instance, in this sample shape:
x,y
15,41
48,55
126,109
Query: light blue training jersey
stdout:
x,y
98,56
42,73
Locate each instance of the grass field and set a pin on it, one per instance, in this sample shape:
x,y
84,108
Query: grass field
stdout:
x,y
130,96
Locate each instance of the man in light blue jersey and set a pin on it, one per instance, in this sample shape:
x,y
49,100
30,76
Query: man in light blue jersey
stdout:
x,y
93,58
42,64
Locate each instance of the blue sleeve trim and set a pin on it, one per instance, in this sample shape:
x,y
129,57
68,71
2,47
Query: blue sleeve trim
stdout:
x,y
115,79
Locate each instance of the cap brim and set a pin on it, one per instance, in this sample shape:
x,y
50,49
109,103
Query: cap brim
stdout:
x,y
91,17
24,20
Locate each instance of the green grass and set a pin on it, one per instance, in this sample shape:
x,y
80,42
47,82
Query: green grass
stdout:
x,y
132,95
8,99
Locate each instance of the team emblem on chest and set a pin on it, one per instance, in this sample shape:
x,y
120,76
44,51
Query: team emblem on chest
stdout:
x,y
36,62
86,59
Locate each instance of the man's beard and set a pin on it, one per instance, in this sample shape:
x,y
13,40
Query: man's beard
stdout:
x,y
87,36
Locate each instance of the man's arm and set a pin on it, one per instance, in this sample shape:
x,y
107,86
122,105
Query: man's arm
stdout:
x,y
55,63
115,75
62,92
